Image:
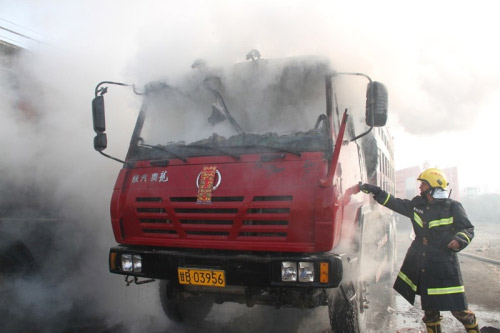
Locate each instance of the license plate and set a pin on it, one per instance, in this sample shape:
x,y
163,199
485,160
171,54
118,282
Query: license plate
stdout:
x,y
201,277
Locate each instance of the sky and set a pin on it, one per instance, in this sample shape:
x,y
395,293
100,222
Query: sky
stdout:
x,y
438,59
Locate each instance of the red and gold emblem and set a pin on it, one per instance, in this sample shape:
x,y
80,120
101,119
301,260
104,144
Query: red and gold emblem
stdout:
x,y
205,183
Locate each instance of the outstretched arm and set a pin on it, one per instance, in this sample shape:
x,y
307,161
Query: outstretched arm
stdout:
x,y
401,206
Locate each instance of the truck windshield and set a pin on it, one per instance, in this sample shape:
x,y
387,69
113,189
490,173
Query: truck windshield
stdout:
x,y
255,108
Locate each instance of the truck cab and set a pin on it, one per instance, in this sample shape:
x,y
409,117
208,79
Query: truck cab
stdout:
x,y
240,185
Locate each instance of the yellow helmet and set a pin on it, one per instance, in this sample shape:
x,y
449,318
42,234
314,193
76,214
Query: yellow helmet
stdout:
x,y
434,177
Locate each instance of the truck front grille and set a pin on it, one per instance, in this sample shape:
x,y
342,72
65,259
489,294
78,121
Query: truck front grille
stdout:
x,y
226,218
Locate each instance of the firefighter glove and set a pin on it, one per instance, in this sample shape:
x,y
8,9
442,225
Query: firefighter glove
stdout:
x,y
369,188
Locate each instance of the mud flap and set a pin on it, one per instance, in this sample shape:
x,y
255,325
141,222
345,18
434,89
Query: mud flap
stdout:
x,y
348,292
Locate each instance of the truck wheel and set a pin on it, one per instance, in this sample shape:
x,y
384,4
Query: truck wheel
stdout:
x,y
16,259
344,310
183,308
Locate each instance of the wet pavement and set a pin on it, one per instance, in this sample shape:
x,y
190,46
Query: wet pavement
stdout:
x,y
137,308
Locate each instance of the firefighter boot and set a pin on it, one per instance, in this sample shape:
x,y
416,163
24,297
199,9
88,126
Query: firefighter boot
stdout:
x,y
472,328
434,327
468,319
432,320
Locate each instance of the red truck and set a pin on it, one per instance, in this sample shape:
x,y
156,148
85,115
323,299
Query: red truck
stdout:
x,y
239,186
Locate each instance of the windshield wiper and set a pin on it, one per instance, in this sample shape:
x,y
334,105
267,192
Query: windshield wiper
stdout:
x,y
283,150
215,148
182,158
221,103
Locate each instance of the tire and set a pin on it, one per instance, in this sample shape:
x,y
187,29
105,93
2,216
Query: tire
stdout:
x,y
344,305
16,259
183,308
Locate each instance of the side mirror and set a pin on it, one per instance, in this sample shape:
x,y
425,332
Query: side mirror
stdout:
x,y
98,114
376,104
100,141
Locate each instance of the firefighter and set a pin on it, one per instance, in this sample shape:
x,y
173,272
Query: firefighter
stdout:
x,y
431,268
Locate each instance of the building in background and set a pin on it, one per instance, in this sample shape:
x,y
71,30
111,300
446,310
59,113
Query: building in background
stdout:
x,y
472,191
15,36
385,175
453,181
8,49
407,184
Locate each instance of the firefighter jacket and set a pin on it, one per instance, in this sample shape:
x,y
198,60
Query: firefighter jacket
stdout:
x,y
430,269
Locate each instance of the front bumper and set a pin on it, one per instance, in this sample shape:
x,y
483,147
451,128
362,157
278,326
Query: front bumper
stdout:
x,y
241,269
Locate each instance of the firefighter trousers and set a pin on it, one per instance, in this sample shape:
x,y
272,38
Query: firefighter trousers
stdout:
x,y
466,317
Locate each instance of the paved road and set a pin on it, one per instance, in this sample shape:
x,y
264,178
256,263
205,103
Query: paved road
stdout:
x,y
137,309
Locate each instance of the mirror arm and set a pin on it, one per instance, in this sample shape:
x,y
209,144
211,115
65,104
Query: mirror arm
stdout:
x,y
370,80
372,116
104,90
100,92
362,134
354,73
113,158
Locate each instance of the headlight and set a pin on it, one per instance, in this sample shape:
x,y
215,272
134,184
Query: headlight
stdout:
x,y
127,265
288,271
306,271
131,263
137,263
